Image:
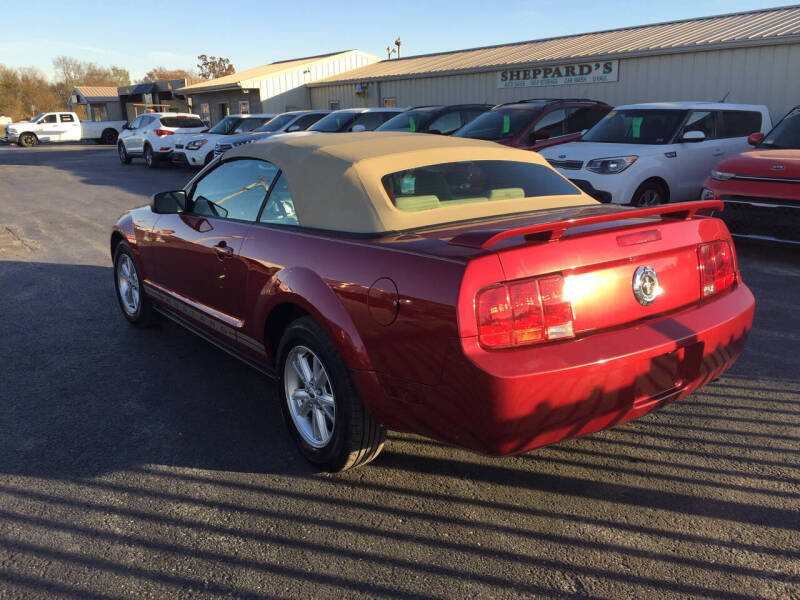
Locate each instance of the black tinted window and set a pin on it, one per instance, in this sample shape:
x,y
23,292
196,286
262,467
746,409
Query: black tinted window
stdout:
x,y
411,120
585,117
67,118
554,123
738,123
446,123
636,126
182,122
334,122
307,121
451,184
50,119
786,134
370,120
234,190
703,121
499,124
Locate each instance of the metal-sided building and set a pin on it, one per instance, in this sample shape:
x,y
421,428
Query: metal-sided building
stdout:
x,y
749,57
272,88
95,103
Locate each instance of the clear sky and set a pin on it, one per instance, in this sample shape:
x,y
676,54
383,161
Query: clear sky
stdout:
x,y
252,33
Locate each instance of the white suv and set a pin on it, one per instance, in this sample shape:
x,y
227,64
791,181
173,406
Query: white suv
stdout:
x,y
148,136
648,154
198,150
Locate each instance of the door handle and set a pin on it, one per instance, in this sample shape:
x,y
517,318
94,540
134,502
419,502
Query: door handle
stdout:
x,y
223,250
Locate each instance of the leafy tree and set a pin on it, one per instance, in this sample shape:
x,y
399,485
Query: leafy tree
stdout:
x,y
25,92
212,67
161,73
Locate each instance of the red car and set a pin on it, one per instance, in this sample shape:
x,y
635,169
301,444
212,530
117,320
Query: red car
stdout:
x,y
536,124
455,288
761,188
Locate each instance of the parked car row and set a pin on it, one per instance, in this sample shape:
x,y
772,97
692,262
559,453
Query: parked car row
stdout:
x,y
639,154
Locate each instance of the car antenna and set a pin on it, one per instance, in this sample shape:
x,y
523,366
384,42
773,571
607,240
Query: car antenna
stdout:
x,y
728,93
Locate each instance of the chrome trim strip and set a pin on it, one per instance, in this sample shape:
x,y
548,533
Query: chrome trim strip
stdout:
x,y
767,179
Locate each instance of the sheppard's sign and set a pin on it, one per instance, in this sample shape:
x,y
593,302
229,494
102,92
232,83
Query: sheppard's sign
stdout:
x,y
588,72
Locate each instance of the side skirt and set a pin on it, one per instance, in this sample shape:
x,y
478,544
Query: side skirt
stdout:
x,y
211,340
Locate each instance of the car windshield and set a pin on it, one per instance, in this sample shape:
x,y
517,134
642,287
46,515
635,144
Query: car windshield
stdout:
x,y
636,126
226,126
277,123
786,134
468,182
412,120
36,118
336,121
498,124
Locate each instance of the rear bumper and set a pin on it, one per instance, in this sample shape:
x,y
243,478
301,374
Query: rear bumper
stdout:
x,y
511,401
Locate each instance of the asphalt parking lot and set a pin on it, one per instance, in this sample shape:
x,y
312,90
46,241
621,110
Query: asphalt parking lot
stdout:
x,y
148,464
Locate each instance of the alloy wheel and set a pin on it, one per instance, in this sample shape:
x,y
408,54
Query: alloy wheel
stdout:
x,y
309,396
128,285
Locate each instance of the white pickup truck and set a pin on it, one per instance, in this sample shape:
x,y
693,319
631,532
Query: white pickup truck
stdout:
x,y
62,127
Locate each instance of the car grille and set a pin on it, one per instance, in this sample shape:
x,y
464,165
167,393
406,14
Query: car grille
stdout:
x,y
759,217
572,165
179,146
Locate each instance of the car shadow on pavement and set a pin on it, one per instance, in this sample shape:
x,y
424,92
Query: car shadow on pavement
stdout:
x,y
103,168
87,393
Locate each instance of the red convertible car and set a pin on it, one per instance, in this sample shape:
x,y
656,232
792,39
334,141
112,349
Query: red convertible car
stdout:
x,y
761,188
454,288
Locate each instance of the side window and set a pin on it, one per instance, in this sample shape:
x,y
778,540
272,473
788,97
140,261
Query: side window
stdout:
x,y
136,123
702,120
279,207
307,121
738,123
67,118
385,116
553,123
370,120
469,115
446,123
50,119
234,190
584,117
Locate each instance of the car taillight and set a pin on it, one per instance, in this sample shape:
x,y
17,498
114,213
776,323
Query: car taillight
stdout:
x,y
717,269
523,312
162,132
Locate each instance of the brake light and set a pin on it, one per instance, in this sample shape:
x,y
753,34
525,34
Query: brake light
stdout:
x,y
523,312
162,132
717,269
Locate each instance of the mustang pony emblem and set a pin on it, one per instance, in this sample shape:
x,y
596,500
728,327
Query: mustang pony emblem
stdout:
x,y
645,285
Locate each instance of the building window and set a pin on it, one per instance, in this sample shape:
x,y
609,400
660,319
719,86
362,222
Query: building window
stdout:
x,y
389,102
244,107
205,112
333,105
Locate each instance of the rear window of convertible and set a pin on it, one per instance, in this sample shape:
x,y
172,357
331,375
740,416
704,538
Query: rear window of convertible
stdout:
x,y
460,183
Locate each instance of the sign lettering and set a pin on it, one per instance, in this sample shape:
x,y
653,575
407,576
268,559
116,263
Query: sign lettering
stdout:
x,y
584,72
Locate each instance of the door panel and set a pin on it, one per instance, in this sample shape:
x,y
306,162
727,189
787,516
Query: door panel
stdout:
x,y
696,159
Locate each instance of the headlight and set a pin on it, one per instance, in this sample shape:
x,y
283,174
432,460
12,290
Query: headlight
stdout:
x,y
707,194
722,175
196,144
614,164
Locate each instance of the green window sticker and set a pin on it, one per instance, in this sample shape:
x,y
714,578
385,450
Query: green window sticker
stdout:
x,y
637,127
506,124
412,126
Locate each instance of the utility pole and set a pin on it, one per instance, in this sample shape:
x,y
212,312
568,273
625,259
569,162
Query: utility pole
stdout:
x,y
389,52
397,43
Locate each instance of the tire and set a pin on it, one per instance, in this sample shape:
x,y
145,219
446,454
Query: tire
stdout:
x,y
130,291
26,140
150,158
123,154
351,437
650,193
109,137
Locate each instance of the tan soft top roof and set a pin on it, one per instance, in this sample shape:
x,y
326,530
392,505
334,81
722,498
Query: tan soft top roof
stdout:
x,y
335,178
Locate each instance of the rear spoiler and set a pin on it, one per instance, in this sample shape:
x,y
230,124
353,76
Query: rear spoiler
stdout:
x,y
554,230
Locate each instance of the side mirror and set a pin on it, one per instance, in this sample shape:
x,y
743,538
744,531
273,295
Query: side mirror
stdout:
x,y
168,203
358,128
541,134
693,137
297,127
754,139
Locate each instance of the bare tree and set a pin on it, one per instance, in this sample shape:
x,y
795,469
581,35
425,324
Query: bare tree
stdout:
x,y
25,92
212,67
71,72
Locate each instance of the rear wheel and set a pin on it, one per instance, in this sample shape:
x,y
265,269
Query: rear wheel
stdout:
x,y
109,137
130,290
322,410
650,193
150,157
26,140
123,154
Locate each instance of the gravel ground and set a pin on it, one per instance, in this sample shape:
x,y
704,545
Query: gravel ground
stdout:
x,y
148,464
